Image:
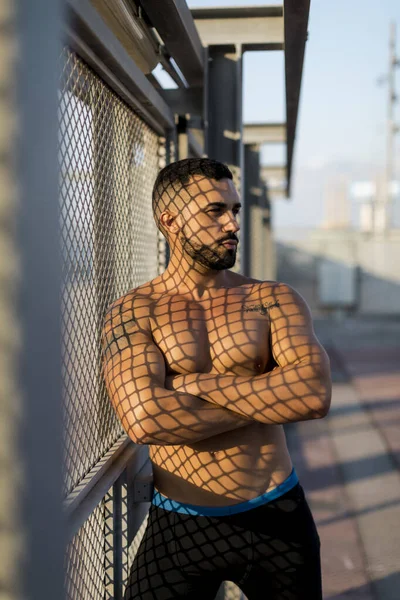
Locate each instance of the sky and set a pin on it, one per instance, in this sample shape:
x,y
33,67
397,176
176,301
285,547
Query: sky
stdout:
x,y
342,116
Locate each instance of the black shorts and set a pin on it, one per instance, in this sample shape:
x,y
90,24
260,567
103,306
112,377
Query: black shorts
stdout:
x,y
271,552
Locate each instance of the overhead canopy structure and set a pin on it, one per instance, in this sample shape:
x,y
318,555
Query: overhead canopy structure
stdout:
x,y
178,36
175,25
296,14
265,28
275,176
254,27
264,133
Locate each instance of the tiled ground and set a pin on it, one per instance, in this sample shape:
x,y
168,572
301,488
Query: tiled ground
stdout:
x,y
349,462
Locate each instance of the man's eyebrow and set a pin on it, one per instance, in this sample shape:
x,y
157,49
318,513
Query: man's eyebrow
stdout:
x,y
222,205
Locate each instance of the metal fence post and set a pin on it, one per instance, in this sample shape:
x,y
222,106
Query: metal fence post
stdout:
x,y
38,302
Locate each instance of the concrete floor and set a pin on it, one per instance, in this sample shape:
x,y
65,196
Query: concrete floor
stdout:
x,y
349,462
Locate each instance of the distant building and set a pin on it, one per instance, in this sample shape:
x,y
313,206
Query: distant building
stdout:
x,y
367,206
337,204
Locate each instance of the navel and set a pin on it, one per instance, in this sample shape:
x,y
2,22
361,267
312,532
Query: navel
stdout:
x,y
258,366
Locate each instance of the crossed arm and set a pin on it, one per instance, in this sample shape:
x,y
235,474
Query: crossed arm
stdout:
x,y
298,389
134,374
190,408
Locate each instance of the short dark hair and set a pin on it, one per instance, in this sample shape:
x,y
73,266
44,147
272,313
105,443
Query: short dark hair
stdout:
x,y
175,176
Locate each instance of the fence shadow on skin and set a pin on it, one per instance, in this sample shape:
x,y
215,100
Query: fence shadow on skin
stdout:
x,y
206,378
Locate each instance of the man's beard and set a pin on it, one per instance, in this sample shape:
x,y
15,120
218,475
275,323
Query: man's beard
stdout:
x,y
217,258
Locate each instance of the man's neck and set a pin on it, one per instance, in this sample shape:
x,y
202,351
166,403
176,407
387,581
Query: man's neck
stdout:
x,y
193,278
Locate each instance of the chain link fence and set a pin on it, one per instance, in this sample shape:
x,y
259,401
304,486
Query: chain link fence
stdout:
x,y
109,159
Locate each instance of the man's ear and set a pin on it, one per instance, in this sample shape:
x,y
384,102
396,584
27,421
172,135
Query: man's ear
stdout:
x,y
170,222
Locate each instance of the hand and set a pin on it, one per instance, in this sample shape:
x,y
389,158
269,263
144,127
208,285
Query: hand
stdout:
x,y
187,384
175,382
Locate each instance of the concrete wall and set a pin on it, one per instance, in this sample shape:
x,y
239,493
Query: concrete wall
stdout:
x,y
342,269
262,247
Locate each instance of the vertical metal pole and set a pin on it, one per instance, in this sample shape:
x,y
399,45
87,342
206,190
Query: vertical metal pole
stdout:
x,y
12,539
117,534
224,113
224,105
38,230
171,151
183,141
269,262
206,81
252,199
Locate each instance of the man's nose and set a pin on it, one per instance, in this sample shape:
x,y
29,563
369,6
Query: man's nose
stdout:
x,y
231,223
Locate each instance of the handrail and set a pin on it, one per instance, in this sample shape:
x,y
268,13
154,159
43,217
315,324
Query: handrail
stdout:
x,y
80,503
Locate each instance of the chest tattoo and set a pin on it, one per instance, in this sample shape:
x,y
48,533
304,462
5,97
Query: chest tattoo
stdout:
x,y
260,308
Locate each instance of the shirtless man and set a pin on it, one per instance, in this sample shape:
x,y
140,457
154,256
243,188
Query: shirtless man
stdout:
x,y
205,366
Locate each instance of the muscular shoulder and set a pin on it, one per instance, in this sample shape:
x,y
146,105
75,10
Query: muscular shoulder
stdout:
x,y
129,312
126,321
133,304
277,289
282,297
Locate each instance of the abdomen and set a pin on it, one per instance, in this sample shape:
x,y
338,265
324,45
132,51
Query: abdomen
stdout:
x,y
230,468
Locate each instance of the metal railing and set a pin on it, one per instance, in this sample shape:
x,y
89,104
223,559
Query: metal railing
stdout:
x,y
109,159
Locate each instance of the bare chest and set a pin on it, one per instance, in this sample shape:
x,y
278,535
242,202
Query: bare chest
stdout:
x,y
219,334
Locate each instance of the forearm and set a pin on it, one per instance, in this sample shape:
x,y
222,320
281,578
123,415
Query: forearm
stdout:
x,y
289,394
169,417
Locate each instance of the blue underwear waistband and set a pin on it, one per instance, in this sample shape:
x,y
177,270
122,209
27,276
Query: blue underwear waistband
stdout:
x,y
219,511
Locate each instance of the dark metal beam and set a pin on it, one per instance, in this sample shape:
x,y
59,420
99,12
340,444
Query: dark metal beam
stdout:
x,y
264,133
165,61
175,25
272,173
196,149
239,12
88,35
251,199
254,28
182,102
296,14
32,522
224,23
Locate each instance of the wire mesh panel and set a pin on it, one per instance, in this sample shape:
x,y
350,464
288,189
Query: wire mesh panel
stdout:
x,y
85,560
109,160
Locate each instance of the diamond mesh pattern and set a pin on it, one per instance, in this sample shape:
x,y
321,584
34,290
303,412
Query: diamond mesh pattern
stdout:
x,y
85,560
109,160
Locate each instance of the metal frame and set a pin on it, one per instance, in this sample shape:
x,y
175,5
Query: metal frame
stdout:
x,y
292,19
38,409
195,147
264,133
273,172
93,488
175,25
254,27
184,101
296,13
88,35
237,12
